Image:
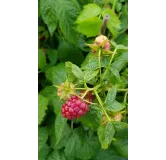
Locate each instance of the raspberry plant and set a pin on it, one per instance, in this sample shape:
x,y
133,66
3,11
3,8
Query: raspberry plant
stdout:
x,y
83,80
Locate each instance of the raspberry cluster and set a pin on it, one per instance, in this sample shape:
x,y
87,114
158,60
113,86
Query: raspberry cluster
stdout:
x,y
74,107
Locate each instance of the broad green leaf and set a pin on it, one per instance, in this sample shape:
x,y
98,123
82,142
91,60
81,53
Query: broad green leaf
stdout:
x,y
89,11
120,46
115,106
122,39
56,74
67,12
42,107
109,154
111,95
121,129
113,23
42,137
69,52
105,135
48,13
124,18
90,27
120,62
72,146
118,7
89,74
91,62
57,155
92,119
41,59
77,71
81,146
121,146
70,76
44,152
52,56
60,123
51,93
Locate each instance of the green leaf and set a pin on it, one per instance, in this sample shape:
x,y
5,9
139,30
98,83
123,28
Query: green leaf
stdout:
x,y
48,13
89,74
42,137
81,146
121,146
90,27
44,152
69,52
120,62
92,119
122,39
57,74
115,106
70,76
51,93
57,155
120,46
111,95
76,71
41,59
67,12
105,135
114,22
73,144
109,154
60,123
42,107
91,62
52,56
89,11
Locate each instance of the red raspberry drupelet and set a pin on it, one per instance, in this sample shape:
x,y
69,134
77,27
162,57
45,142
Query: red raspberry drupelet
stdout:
x,y
74,107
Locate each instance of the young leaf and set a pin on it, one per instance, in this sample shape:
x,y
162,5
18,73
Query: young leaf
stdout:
x,y
111,95
41,59
76,71
90,27
89,74
44,152
114,22
67,12
56,74
42,137
42,107
48,13
70,76
105,135
60,123
57,155
115,106
89,11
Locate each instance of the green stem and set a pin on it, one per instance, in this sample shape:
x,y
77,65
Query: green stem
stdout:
x,y
72,125
125,97
114,4
99,62
101,103
109,65
123,90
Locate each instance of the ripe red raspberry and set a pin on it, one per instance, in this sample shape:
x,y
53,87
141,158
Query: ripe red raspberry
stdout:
x,y
74,107
89,97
